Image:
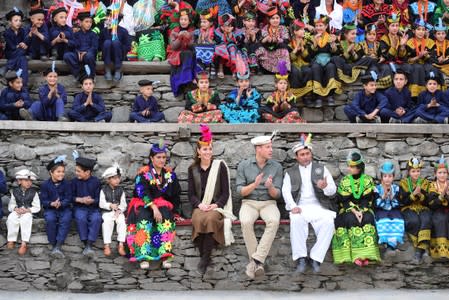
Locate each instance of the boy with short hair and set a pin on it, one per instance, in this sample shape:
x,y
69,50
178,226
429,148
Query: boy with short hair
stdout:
x,y
38,35
85,199
400,106
23,204
14,99
113,204
145,108
15,45
367,104
85,43
433,106
88,106
61,35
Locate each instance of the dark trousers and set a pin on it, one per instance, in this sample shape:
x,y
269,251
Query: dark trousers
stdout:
x,y
88,223
57,224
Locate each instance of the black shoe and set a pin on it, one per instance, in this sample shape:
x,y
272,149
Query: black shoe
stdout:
x,y
417,259
316,266
202,265
331,101
318,103
302,264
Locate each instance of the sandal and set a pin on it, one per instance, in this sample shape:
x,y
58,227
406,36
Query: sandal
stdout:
x,y
166,264
144,265
358,262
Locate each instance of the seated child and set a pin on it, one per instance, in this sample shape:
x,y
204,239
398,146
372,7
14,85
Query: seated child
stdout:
x,y
441,46
145,109
433,104
15,45
367,104
61,35
23,204
399,108
85,43
56,198
14,99
113,205
205,43
389,221
85,198
52,98
280,106
88,106
114,49
242,104
38,37
201,104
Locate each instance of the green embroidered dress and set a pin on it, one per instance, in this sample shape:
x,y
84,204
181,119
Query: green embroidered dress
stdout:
x,y
353,239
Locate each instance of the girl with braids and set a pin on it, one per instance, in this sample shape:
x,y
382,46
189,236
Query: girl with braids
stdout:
x,y
355,239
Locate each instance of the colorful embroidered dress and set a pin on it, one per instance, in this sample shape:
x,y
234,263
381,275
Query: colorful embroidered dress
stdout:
x,y
146,239
271,53
416,212
439,204
353,239
201,108
389,221
281,108
243,109
301,74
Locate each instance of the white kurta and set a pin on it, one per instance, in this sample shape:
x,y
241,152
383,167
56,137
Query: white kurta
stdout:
x,y
22,222
312,212
113,217
336,15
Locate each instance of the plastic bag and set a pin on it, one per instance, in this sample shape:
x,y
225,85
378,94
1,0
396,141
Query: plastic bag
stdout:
x,y
143,12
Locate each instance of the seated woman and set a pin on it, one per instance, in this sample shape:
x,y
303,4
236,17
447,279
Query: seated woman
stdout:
x,y
210,196
355,239
242,104
280,105
439,205
417,215
389,221
202,104
153,211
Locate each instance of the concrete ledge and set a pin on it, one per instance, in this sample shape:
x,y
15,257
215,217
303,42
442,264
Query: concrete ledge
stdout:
x,y
129,67
338,128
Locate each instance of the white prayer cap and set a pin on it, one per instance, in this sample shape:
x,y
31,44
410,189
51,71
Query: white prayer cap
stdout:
x,y
263,139
112,171
26,174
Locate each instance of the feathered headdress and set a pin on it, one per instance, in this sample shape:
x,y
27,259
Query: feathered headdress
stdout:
x,y
58,161
354,159
112,171
282,70
440,26
241,67
159,147
441,163
393,18
206,135
414,163
305,142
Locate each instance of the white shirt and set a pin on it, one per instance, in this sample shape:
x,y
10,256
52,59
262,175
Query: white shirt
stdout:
x,y
308,196
336,15
128,19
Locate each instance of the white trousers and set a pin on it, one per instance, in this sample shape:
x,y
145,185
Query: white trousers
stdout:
x,y
23,222
108,227
299,231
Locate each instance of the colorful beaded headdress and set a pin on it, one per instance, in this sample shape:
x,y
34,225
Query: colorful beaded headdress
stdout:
x,y
282,70
441,163
206,135
354,159
414,163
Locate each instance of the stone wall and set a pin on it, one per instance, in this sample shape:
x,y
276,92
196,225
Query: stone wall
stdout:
x,y
36,271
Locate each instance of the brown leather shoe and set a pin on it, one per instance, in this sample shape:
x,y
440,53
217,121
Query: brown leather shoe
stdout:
x,y
121,249
107,250
11,245
22,250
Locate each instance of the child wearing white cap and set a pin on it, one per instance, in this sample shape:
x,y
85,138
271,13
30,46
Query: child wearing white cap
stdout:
x,y
113,205
23,204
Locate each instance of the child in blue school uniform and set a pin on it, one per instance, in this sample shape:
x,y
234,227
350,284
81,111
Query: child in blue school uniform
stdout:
x,y
114,50
85,199
38,37
61,35
3,190
145,109
56,199
14,99
400,105
88,106
52,98
433,106
15,45
85,43
367,104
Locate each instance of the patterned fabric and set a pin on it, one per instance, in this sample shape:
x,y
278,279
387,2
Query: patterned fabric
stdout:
x,y
439,204
389,221
243,111
151,46
212,116
272,112
147,239
205,53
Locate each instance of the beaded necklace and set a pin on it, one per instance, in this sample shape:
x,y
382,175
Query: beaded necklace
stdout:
x,y
419,48
441,51
324,39
202,97
410,184
357,194
156,179
279,96
425,5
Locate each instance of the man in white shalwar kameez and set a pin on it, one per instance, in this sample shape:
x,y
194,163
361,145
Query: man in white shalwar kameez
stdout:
x,y
307,189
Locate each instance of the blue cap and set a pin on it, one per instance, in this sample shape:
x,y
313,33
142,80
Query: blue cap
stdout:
x,y
387,168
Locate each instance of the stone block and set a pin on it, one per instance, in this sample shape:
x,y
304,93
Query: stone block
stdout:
x,y
313,115
11,284
395,148
365,143
171,114
182,149
23,153
120,114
